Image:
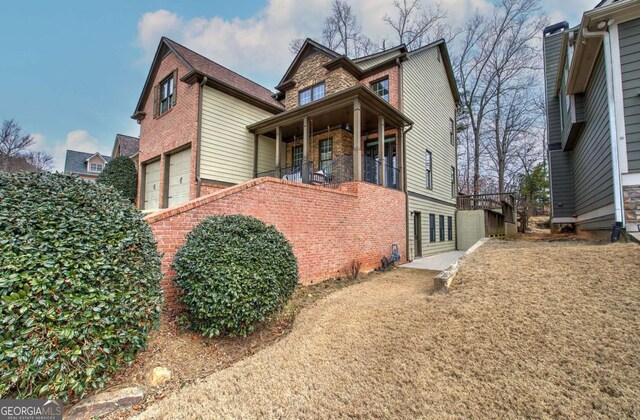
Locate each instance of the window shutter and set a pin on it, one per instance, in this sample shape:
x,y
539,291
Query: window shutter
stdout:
x,y
156,90
175,87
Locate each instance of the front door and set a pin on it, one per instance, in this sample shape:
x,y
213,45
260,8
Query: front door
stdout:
x,y
417,235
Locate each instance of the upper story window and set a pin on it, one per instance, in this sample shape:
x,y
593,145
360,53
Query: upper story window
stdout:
x,y
166,94
452,132
311,94
381,88
428,168
453,182
95,167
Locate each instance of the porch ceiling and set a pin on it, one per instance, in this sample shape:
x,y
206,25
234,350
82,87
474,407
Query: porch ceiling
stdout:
x,y
331,111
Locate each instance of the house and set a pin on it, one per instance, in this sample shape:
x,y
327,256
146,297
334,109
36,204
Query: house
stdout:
x,y
306,158
126,146
85,165
203,128
592,79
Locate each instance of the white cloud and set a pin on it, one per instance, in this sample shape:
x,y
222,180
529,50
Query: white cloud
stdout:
x,y
38,142
258,47
79,140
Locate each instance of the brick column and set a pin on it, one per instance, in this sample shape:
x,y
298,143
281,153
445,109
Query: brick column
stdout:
x,y
382,174
357,151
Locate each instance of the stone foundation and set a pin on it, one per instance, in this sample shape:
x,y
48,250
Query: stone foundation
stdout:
x,y
632,207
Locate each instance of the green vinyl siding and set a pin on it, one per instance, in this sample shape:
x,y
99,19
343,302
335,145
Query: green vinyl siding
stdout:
x,y
629,34
227,146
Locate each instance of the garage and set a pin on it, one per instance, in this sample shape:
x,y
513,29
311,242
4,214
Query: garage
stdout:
x,y
179,166
152,185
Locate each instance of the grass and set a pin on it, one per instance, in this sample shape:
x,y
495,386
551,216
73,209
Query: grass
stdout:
x,y
529,329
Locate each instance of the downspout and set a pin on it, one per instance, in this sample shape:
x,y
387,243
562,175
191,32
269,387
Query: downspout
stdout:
x,y
199,140
404,185
613,132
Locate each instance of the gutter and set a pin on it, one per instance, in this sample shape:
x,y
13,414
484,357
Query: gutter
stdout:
x,y
613,131
199,140
404,185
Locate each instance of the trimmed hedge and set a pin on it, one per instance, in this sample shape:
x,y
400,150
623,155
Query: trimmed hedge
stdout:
x,y
121,174
79,285
233,272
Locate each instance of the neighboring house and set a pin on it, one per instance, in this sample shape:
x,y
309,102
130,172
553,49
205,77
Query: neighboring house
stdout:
x,y
126,146
592,76
204,128
86,165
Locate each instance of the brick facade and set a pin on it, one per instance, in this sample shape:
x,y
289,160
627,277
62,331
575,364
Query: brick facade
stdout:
x,y
632,207
393,74
176,128
327,228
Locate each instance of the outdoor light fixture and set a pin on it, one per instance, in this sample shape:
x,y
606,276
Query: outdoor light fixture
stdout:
x,y
348,127
602,24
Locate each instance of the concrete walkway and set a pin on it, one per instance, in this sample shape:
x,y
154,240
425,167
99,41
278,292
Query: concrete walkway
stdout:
x,y
436,262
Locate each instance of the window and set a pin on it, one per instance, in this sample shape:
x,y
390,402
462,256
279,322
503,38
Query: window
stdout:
x,y
297,156
311,94
450,228
428,169
381,88
452,132
453,182
432,228
441,227
167,94
326,154
96,167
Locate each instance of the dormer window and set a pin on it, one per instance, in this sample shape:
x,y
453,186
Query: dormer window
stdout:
x,y
311,94
95,167
381,88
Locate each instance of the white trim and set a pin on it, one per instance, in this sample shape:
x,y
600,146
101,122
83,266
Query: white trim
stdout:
x,y
602,211
560,220
616,75
631,179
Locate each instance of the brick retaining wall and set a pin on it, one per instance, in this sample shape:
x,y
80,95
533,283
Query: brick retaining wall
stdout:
x,y
327,228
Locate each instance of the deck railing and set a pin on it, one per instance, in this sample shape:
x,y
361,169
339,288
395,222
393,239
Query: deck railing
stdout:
x,y
485,201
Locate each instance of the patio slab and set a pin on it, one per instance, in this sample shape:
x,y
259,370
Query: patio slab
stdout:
x,y
436,262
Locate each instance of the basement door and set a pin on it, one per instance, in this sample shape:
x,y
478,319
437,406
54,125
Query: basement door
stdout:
x,y
152,185
179,166
417,235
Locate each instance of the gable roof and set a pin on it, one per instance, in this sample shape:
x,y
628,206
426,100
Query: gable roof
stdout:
x,y
76,162
308,45
200,66
446,60
125,145
373,60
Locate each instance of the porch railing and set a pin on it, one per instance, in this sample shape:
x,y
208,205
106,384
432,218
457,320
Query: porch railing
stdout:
x,y
484,201
371,169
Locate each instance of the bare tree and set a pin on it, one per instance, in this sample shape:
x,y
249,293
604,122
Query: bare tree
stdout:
x,y
494,54
343,33
416,25
295,45
13,142
41,161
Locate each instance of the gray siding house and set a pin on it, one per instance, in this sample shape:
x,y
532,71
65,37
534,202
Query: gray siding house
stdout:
x,y
592,86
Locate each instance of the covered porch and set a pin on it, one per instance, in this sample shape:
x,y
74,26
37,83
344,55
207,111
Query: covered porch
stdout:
x,y
337,139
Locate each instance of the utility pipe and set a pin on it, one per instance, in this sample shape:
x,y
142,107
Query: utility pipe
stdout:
x,y
613,132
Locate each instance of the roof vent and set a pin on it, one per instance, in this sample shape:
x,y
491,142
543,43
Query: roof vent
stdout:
x,y
562,26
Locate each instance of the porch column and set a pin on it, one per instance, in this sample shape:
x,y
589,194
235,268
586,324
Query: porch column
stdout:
x,y
278,141
255,154
305,150
357,151
382,169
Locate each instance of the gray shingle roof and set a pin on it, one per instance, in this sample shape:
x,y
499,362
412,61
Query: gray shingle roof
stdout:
x,y
76,162
129,145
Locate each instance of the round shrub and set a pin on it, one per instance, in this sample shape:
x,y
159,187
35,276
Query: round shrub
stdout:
x,y
121,174
233,271
79,285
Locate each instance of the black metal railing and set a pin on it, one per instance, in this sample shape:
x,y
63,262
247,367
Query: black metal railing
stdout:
x,y
338,171
370,170
484,201
391,176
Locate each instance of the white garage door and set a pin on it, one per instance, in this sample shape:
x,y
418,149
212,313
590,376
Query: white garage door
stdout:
x,y
179,166
152,186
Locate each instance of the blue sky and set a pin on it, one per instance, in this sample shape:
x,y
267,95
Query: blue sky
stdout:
x,y
72,71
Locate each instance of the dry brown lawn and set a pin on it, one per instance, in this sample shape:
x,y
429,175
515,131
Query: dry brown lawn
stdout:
x,y
530,329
